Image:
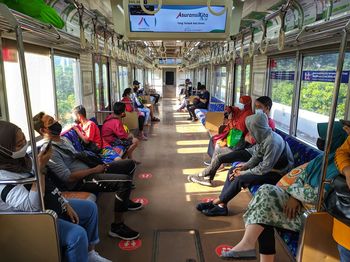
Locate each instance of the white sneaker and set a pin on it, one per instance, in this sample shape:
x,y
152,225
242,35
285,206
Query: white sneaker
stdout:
x,y
93,256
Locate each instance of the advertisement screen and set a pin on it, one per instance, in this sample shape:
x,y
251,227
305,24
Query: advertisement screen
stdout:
x,y
177,19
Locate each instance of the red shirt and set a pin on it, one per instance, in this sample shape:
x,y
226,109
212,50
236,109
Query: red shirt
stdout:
x,y
92,132
113,128
128,104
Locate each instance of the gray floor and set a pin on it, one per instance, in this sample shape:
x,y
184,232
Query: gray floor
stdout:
x,y
175,149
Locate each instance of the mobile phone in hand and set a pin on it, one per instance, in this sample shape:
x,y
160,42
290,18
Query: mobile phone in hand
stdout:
x,y
46,148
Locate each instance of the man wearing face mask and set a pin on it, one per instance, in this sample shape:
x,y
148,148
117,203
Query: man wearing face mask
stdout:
x,y
200,102
77,176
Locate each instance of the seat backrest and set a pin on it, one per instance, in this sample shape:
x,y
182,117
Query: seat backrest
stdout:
x,y
213,120
131,120
29,237
316,241
216,105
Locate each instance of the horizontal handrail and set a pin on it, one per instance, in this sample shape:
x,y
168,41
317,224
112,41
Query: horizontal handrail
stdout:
x,y
18,181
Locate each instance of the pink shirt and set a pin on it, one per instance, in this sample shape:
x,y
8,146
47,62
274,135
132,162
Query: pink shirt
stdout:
x,y
113,128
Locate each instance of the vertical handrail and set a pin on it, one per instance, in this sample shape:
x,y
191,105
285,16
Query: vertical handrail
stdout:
x,y
337,82
4,10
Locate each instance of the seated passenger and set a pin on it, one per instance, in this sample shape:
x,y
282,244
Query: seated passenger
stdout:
x,y
113,131
277,207
78,220
77,176
236,120
262,104
149,112
129,107
200,102
152,93
186,91
265,162
89,132
341,231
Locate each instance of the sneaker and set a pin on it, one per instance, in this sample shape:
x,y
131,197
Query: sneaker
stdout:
x,y
204,181
194,119
216,211
93,256
207,163
206,205
190,118
122,231
132,206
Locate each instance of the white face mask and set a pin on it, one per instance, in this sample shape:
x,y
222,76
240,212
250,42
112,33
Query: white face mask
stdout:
x,y
240,106
15,155
259,111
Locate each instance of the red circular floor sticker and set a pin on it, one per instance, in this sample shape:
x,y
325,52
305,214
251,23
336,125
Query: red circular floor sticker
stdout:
x,y
129,245
207,200
221,248
143,201
145,176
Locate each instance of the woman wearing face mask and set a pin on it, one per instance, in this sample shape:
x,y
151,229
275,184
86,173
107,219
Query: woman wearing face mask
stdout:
x,y
263,104
113,131
235,120
130,108
77,223
274,206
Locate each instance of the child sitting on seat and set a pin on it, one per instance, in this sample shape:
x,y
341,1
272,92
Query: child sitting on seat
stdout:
x,y
113,131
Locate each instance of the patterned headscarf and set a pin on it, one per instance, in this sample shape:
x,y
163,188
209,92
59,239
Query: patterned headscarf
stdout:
x,y
8,133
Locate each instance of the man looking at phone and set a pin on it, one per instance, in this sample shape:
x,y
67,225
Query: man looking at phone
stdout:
x,y
77,176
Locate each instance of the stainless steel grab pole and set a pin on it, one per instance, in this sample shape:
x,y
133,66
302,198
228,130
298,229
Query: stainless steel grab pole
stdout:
x,y
22,63
337,83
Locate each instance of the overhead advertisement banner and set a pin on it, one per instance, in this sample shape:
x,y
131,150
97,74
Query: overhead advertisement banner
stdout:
x,y
177,19
324,76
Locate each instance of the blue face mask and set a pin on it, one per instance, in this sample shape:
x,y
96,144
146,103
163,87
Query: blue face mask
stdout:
x,y
240,106
15,155
259,111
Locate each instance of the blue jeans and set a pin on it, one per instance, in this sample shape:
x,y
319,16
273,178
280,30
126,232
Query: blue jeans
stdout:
x,y
74,239
147,113
344,254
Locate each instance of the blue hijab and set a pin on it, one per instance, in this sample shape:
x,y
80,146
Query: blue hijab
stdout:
x,y
313,169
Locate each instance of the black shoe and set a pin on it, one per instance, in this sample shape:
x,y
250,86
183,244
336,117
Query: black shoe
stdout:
x,y
132,206
190,118
122,231
216,211
204,206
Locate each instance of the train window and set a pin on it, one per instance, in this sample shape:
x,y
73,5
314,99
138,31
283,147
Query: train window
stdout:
x,y
139,75
238,81
39,72
123,78
68,92
247,79
281,84
102,87
317,84
220,82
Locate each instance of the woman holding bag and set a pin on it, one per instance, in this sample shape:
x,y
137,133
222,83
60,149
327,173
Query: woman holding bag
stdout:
x,y
235,120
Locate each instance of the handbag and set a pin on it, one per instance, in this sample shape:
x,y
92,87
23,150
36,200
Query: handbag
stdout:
x,y
91,146
337,200
233,137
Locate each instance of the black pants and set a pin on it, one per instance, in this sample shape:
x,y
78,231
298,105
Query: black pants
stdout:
x,y
235,156
156,96
191,109
119,182
232,188
267,241
141,122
